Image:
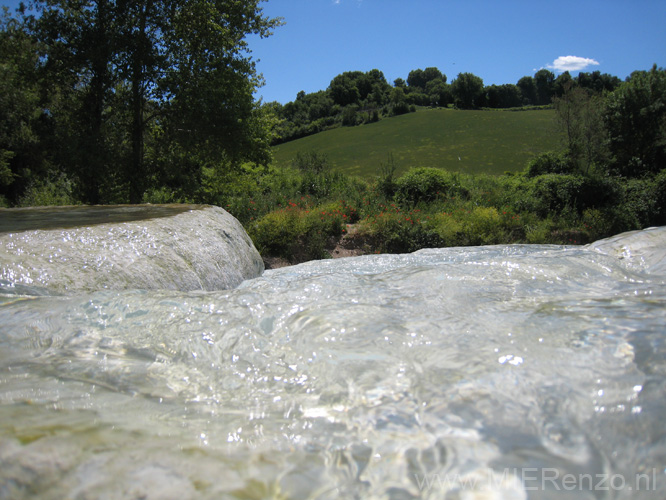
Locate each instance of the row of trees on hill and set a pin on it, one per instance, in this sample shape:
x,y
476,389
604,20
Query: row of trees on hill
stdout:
x,y
356,97
104,100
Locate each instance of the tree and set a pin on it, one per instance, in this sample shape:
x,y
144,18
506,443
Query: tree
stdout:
x,y
398,101
416,78
432,73
81,41
527,90
344,89
579,114
636,121
379,87
598,82
22,157
467,90
439,92
399,82
419,78
562,84
172,70
503,96
543,81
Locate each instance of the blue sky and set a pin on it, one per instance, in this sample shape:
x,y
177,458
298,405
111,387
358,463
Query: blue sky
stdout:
x,y
498,40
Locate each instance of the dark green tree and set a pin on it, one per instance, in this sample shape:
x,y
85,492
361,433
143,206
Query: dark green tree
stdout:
x,y
398,102
24,124
157,70
344,88
467,90
598,82
503,96
543,81
527,90
419,78
416,78
636,121
432,73
580,116
439,92
82,41
562,83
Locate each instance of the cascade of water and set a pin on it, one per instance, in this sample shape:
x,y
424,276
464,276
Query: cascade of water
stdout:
x,y
179,247
500,372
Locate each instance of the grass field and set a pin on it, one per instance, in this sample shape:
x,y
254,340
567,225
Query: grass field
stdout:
x,y
489,142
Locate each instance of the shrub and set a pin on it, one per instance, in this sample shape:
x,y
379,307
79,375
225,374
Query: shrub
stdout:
x,y
425,184
483,226
540,231
448,229
299,233
559,193
350,116
52,191
161,195
550,163
598,224
395,231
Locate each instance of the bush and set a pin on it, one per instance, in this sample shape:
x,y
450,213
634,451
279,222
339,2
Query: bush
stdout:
x,y
659,187
448,229
549,163
52,191
349,116
425,184
559,193
298,233
483,226
160,196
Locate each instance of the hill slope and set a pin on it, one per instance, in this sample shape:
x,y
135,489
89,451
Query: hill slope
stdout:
x,y
466,141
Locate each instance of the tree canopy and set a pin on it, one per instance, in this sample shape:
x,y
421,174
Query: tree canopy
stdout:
x,y
128,96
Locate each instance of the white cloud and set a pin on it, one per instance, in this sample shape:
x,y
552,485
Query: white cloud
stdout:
x,y
571,63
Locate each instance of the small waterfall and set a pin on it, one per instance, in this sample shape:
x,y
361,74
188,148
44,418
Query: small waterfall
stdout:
x,y
176,247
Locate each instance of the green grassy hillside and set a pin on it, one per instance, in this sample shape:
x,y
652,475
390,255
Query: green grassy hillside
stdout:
x,y
465,141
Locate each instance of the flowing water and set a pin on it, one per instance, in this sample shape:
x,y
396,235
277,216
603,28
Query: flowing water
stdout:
x,y
182,247
489,372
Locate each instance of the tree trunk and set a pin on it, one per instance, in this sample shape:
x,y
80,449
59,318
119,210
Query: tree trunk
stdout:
x,y
95,157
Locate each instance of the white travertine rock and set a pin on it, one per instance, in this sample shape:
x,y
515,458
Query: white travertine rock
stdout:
x,y
178,247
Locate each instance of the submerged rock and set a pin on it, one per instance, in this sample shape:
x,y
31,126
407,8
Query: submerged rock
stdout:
x,y
179,247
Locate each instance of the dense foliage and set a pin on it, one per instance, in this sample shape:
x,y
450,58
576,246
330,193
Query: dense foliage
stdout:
x,y
111,100
300,215
355,97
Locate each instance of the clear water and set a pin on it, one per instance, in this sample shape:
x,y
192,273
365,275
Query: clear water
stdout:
x,y
88,248
491,372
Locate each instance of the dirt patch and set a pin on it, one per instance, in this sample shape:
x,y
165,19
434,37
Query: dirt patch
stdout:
x,y
350,244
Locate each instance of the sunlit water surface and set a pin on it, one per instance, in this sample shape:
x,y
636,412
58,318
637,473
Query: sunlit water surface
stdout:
x,y
493,371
